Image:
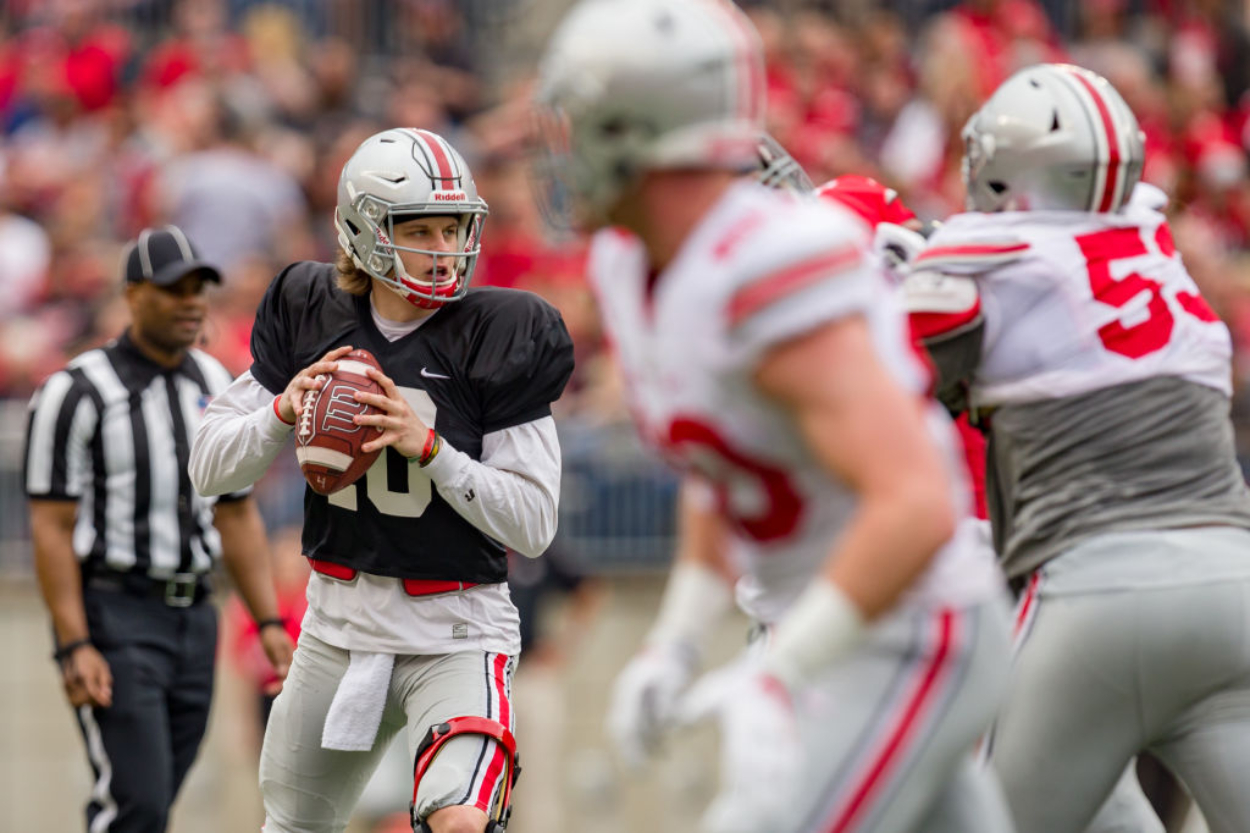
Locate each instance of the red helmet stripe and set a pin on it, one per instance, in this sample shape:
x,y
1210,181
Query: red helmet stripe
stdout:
x,y
446,178
1111,183
748,65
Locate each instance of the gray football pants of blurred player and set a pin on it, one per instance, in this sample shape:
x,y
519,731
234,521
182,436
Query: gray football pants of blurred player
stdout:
x,y
1127,809
1131,641
890,733
309,789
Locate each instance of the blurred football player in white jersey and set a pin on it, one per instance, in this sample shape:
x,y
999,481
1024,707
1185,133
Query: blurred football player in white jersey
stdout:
x,y
645,697
1117,504
762,353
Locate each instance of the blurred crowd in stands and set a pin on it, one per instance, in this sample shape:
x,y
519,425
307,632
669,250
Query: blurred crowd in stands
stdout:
x,y
232,118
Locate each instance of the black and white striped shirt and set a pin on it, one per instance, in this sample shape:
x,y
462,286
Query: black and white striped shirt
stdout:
x,y
113,432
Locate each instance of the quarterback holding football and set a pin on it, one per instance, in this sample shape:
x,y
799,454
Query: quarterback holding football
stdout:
x,y
389,354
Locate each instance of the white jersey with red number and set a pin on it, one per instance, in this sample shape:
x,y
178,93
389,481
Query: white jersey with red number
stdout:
x,y
1075,301
1107,374
760,269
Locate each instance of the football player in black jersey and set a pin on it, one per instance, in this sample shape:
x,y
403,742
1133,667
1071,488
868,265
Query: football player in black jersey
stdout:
x,y
409,622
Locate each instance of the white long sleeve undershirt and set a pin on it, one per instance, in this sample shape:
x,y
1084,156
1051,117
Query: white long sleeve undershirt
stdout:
x,y
516,490
512,494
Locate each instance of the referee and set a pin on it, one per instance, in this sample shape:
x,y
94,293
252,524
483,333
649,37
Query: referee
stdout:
x,y
124,546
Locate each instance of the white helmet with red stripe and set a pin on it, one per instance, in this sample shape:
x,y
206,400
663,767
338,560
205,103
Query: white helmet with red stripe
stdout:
x,y
630,86
1052,136
393,176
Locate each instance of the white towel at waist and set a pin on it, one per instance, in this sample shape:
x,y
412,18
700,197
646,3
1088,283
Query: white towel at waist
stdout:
x,y
356,711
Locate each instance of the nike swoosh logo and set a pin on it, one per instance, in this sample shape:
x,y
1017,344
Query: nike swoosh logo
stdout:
x,y
428,375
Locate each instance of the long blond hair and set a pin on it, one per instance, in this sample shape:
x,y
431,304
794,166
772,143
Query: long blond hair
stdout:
x,y
351,278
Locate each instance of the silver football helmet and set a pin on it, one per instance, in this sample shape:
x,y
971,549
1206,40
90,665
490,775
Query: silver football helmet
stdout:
x,y
778,169
391,177
629,86
1052,136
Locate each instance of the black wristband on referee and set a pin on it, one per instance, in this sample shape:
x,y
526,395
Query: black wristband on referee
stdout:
x,y
265,623
67,650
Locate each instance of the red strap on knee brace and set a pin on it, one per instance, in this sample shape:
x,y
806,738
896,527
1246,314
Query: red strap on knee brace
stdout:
x,y
440,733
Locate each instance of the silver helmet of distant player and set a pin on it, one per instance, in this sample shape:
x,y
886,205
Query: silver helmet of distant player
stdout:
x,y
394,176
631,86
778,169
1052,136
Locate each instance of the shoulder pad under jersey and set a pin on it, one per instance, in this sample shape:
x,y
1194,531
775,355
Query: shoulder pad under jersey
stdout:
x,y
1149,197
969,244
774,254
939,303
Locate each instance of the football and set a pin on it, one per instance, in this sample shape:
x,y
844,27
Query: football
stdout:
x,y
327,441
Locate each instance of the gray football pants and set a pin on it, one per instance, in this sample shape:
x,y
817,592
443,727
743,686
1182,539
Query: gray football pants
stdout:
x,y
890,733
1126,810
308,789
1131,641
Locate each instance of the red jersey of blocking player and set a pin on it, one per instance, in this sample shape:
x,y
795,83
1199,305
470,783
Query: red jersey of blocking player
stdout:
x,y
878,204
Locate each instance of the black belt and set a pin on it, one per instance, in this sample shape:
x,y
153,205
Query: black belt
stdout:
x,y
180,590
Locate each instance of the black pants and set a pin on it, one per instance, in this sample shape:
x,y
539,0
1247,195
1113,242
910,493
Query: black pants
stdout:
x,y
141,747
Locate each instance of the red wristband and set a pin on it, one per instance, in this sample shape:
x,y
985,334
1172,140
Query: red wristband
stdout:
x,y
278,412
427,451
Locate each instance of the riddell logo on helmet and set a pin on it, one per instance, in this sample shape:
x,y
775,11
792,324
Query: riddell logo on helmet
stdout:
x,y
449,196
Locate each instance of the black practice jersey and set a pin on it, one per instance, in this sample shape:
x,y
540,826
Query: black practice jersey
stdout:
x,y
492,360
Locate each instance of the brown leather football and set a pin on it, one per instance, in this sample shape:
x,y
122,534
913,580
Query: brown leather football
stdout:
x,y
327,441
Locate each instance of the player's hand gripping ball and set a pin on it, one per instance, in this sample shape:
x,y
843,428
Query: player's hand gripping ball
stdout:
x,y
327,439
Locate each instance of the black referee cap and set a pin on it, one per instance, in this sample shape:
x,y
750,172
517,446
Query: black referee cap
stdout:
x,y
163,256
